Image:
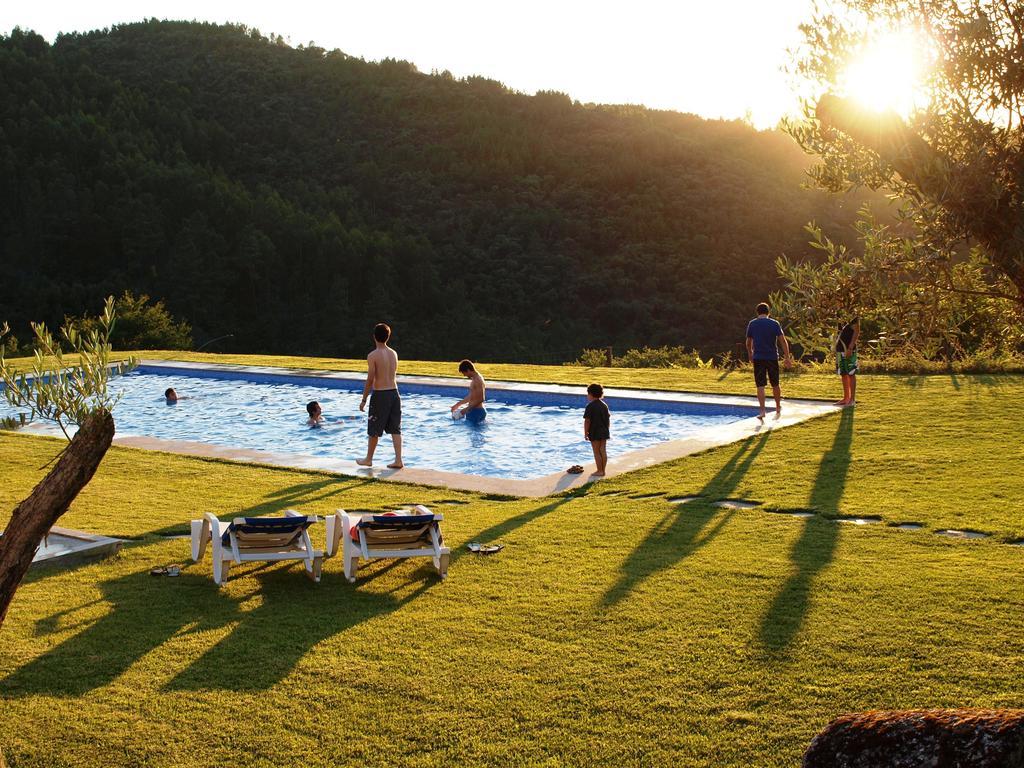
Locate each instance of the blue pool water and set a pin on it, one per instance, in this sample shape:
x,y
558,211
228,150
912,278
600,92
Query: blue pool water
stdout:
x,y
526,434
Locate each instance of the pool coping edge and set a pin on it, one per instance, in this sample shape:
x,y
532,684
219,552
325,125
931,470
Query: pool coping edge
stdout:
x,y
794,411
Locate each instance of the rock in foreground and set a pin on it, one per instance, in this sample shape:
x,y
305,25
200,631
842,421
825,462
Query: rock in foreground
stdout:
x,y
939,738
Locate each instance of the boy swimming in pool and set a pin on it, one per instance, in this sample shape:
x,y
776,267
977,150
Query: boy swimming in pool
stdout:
x,y
474,411
597,427
316,414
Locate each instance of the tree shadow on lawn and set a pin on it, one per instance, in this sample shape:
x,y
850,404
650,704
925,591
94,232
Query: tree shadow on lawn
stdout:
x,y
990,380
681,532
505,527
273,638
275,502
816,545
263,646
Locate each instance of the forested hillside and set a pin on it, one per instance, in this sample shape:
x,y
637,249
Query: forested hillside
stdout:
x,y
294,196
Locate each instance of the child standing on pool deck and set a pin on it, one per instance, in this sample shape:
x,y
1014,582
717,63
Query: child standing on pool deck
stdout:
x,y
385,402
846,360
596,427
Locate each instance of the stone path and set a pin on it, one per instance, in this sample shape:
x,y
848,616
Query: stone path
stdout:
x,y
739,504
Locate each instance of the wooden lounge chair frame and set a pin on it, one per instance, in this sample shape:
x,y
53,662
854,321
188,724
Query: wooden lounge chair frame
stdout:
x,y
384,543
210,530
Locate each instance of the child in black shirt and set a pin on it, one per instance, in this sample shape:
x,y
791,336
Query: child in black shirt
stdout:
x,y
596,423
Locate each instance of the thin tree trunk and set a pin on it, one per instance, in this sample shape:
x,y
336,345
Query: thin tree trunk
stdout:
x,y
34,517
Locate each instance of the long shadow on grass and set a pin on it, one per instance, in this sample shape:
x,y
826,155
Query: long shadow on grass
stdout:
x,y
685,528
272,638
505,527
816,545
991,380
277,501
289,615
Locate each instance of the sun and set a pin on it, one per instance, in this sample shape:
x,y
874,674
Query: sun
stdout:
x,y
887,74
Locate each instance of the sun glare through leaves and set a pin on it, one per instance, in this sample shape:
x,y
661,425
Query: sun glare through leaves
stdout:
x,y
887,74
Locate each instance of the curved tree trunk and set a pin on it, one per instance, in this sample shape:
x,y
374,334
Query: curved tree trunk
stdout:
x,y
994,221
33,518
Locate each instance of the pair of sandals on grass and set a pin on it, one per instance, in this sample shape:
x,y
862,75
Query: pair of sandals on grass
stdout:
x,y
484,549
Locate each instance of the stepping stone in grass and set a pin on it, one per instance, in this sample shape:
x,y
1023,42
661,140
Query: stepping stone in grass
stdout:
x,y
803,514
955,534
908,526
858,520
646,495
737,504
682,499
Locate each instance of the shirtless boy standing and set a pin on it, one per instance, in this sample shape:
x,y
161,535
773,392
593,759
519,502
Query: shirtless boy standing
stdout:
x,y
385,404
474,401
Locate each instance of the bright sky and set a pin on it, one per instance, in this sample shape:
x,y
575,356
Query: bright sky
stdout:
x,y
717,58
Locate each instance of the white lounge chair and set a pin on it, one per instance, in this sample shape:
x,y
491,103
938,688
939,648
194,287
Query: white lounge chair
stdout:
x,y
404,533
248,539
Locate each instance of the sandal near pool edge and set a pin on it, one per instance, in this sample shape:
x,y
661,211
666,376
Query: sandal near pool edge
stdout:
x,y
575,469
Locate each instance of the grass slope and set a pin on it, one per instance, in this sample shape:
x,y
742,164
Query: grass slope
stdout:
x,y
615,628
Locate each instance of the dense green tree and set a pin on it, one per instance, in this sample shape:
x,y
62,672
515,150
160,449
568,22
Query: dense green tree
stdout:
x,y
890,295
294,197
140,325
956,262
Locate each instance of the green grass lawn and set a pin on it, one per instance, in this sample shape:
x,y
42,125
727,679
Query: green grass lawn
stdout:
x,y
615,628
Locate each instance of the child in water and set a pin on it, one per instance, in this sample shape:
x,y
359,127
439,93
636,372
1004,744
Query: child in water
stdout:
x,y
317,418
316,414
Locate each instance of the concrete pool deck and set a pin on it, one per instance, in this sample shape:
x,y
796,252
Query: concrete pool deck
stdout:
x,y
64,547
793,412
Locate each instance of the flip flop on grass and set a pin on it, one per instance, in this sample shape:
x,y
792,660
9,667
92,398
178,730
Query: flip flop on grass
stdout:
x,y
165,570
484,549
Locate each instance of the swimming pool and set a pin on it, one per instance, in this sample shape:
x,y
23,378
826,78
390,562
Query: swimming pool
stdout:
x,y
531,431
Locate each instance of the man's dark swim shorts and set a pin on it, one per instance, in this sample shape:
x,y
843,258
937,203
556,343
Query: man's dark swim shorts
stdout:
x,y
385,413
765,371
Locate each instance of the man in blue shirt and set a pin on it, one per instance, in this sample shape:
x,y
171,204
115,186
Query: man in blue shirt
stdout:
x,y
763,336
